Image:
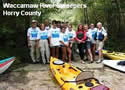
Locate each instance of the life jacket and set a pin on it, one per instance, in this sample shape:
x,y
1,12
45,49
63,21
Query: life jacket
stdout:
x,y
80,35
99,36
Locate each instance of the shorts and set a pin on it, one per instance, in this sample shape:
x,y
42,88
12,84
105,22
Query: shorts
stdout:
x,y
88,44
99,45
62,46
55,46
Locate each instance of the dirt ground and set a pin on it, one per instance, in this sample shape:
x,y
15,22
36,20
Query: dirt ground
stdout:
x,y
38,77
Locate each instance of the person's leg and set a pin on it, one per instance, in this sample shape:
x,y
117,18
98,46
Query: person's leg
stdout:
x,y
93,50
69,54
32,51
53,51
83,48
47,51
100,54
86,51
90,54
101,44
88,46
42,50
57,52
37,53
81,51
64,53
73,51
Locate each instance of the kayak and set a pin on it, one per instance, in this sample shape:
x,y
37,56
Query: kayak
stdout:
x,y
5,63
73,78
116,64
114,55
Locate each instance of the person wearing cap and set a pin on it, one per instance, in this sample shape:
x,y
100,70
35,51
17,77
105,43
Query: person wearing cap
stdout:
x,y
32,37
101,37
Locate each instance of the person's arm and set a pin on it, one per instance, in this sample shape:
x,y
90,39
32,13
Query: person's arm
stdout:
x,y
77,37
38,43
38,40
85,37
28,41
74,36
49,37
63,43
105,36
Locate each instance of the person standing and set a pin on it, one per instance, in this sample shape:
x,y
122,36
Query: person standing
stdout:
x,y
88,43
72,35
80,39
47,24
64,40
43,44
92,30
54,36
32,37
101,37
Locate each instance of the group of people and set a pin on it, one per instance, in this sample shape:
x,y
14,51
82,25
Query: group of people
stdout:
x,y
58,39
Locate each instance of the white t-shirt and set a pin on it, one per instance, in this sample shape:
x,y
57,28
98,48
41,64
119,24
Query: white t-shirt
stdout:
x,y
64,38
91,34
33,33
54,34
71,34
102,31
43,35
67,29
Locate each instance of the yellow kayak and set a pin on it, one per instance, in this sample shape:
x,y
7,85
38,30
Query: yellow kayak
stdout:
x,y
114,55
72,78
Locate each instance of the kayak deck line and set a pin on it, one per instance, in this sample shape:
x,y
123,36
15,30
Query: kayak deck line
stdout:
x,y
72,78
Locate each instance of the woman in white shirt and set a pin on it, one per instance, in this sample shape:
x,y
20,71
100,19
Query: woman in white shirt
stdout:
x,y
71,34
64,40
54,35
92,37
88,43
43,44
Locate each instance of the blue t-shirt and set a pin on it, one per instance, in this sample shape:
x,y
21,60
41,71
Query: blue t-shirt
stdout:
x,y
34,34
70,35
94,34
55,34
44,35
65,38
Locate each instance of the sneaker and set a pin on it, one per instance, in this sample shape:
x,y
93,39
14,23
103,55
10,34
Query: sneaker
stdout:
x,y
99,61
82,62
90,62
